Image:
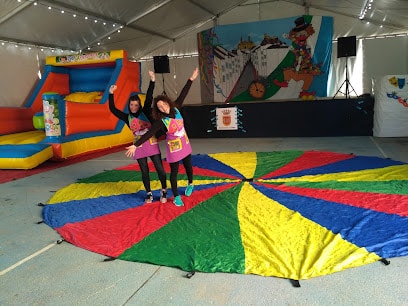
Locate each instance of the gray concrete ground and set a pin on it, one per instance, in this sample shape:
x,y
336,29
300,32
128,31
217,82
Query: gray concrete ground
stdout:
x,y
35,270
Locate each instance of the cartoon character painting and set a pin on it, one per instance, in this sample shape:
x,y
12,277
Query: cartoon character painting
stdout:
x,y
51,121
278,61
303,68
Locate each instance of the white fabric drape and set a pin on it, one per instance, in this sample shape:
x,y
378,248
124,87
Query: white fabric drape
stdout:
x,y
20,69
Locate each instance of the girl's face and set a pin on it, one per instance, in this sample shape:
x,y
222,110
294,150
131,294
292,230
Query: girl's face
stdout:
x,y
134,106
164,107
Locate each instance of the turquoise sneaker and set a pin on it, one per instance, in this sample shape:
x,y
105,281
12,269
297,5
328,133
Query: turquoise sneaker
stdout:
x,y
178,201
189,190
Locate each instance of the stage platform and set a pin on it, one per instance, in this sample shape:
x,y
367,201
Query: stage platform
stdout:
x,y
315,118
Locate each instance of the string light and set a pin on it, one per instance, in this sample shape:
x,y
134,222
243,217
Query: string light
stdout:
x,y
31,47
75,14
367,14
366,7
386,36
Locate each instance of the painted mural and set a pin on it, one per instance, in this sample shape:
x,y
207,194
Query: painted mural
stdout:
x,y
267,60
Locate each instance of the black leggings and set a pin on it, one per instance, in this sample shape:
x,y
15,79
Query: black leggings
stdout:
x,y
158,164
174,172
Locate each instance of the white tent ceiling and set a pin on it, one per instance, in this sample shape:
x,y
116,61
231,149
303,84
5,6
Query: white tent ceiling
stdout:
x,y
143,27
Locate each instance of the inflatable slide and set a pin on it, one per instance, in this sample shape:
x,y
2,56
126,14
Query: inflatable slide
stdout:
x,y
68,114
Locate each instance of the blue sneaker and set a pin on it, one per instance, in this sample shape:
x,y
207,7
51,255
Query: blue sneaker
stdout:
x,y
189,190
178,201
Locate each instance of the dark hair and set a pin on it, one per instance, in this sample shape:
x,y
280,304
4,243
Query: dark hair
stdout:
x,y
134,98
157,114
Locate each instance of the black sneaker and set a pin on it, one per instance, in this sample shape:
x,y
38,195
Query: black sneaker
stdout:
x,y
149,197
163,196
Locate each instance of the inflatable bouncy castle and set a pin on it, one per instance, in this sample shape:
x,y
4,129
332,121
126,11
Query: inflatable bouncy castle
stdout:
x,y
68,113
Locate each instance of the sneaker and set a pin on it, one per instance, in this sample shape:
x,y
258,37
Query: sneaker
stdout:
x,y
189,190
149,197
163,196
177,201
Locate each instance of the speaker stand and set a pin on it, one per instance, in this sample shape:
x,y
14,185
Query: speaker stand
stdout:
x,y
348,85
164,91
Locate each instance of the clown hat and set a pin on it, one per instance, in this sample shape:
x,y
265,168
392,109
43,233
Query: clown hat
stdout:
x,y
301,24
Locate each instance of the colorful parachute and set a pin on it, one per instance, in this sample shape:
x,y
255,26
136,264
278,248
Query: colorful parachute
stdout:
x,y
289,214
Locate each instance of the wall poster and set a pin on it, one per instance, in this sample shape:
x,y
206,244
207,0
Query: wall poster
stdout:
x,y
267,60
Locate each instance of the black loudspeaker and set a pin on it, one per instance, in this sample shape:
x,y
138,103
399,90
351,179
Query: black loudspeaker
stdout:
x,y
346,46
161,64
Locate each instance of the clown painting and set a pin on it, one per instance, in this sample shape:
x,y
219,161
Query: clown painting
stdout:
x,y
303,67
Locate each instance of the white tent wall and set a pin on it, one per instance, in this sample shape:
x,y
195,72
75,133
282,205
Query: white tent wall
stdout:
x,y
375,57
354,65
384,56
368,63
21,69
172,83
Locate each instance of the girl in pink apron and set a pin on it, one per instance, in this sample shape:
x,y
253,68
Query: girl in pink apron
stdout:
x,y
138,121
167,118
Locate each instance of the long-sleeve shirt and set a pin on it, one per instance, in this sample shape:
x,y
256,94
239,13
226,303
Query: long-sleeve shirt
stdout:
x,y
158,125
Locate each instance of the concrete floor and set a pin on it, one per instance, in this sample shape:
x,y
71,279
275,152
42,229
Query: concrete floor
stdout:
x,y
36,270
